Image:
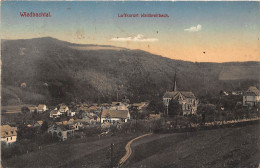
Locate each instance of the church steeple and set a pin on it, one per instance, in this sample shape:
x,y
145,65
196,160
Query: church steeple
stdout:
x,y
175,83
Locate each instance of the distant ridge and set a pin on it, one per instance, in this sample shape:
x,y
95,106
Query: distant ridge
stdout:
x,y
55,70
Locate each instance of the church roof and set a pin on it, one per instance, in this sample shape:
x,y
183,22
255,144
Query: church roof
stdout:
x,y
115,113
252,90
178,94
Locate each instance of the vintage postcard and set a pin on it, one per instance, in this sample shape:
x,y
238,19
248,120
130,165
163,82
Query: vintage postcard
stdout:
x,y
134,84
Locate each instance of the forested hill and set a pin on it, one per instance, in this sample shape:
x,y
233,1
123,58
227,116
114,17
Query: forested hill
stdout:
x,y
49,70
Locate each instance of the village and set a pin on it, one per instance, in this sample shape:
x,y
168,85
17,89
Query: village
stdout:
x,y
68,120
37,127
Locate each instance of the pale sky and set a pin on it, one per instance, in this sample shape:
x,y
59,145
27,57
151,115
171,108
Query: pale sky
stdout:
x,y
194,31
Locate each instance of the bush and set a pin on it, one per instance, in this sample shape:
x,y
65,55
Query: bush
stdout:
x,y
25,110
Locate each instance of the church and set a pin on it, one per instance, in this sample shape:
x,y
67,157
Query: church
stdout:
x,y
187,100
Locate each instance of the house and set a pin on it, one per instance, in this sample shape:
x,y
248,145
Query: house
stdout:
x,y
41,108
38,124
90,119
71,124
113,116
118,106
225,93
187,100
72,112
93,109
105,125
106,105
32,108
251,97
8,134
29,125
86,119
76,125
64,109
154,116
61,131
55,114
140,106
236,93
71,120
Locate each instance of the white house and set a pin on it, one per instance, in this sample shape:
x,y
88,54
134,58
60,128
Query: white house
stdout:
x,y
71,113
8,134
251,97
113,116
41,108
64,109
55,114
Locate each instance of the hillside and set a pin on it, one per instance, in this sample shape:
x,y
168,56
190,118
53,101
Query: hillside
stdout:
x,y
229,147
54,71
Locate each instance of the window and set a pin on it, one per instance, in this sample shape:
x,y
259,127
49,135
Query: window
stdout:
x,y
11,138
7,139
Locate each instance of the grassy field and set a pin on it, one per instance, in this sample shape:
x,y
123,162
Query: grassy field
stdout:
x,y
229,147
89,152
13,109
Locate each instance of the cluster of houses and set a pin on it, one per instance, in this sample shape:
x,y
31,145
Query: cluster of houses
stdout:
x,y
189,102
251,97
39,109
86,115
83,115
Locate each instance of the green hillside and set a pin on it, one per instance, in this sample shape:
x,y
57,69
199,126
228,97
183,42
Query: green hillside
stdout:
x,y
55,71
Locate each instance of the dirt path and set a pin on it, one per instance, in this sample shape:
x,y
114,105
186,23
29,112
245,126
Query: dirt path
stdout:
x,y
129,150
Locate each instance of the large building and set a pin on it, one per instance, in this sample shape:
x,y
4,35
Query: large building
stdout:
x,y
113,116
8,134
187,100
251,97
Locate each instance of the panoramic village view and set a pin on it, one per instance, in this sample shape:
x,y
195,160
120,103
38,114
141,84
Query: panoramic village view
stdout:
x,y
141,92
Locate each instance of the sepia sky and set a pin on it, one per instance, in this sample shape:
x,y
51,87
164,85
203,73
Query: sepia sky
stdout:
x,y
194,31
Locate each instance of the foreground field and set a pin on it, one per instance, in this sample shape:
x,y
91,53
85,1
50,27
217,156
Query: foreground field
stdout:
x,y
226,147
90,152
229,147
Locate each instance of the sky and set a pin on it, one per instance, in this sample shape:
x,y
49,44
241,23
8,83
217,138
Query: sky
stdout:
x,y
194,31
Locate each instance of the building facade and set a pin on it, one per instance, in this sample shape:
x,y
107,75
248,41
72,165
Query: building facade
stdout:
x,y
8,134
251,97
113,116
187,100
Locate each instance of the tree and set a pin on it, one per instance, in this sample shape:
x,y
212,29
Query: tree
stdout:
x,y
25,109
44,126
108,116
174,108
156,106
134,113
207,110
